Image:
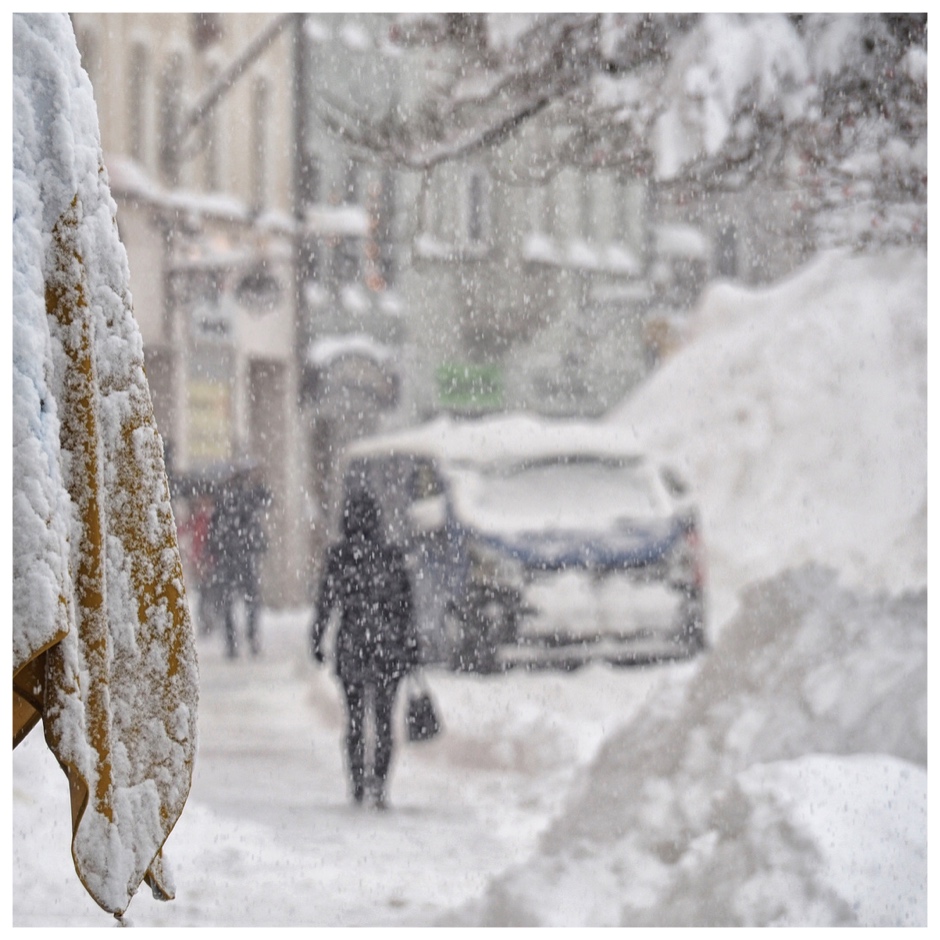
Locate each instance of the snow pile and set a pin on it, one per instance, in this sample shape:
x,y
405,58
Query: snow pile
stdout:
x,y
785,783
724,803
800,413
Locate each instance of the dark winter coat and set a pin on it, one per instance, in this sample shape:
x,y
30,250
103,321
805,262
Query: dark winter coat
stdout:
x,y
365,578
236,534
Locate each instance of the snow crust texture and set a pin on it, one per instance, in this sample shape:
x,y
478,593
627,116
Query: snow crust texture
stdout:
x,y
100,618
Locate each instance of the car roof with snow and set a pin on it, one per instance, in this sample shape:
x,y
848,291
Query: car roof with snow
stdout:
x,y
503,439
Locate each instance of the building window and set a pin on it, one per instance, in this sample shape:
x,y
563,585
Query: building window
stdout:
x,y
543,214
628,217
380,245
138,83
212,175
477,207
435,187
586,220
346,260
308,182
726,261
171,86
348,252
350,190
260,97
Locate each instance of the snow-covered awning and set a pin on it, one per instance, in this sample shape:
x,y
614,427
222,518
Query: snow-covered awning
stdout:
x,y
327,349
682,241
103,647
130,180
607,258
342,368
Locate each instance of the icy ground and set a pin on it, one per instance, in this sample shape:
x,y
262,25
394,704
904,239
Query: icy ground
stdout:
x,y
779,780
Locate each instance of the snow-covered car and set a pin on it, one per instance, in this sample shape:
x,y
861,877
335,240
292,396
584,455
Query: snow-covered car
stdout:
x,y
538,543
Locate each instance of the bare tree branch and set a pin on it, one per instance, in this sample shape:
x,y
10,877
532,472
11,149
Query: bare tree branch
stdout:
x,y
605,85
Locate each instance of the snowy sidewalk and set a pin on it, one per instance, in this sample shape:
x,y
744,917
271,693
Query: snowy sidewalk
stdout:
x,y
269,837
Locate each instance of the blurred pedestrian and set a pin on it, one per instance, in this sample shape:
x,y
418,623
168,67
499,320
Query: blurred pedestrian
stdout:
x,y
199,529
376,644
237,542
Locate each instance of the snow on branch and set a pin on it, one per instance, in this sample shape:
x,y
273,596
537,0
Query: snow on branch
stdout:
x,y
707,101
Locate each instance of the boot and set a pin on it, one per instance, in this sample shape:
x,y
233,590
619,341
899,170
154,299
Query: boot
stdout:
x,y
359,793
379,799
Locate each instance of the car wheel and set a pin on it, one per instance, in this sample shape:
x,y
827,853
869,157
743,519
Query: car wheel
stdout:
x,y
693,634
487,619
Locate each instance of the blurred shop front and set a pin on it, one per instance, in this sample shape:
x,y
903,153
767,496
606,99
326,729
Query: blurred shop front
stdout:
x,y
214,300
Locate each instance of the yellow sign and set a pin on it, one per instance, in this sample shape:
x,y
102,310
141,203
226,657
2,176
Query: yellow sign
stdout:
x,y
209,421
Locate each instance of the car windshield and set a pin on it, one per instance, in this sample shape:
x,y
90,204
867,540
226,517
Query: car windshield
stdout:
x,y
562,493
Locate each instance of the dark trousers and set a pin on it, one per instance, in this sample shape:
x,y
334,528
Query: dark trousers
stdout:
x,y
380,697
229,594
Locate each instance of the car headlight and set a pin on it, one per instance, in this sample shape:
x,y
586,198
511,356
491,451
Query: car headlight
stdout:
x,y
490,565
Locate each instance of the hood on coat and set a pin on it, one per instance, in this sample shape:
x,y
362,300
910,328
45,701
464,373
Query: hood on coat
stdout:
x,y
361,516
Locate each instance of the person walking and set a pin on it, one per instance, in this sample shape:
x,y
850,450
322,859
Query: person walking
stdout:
x,y
199,529
237,541
376,643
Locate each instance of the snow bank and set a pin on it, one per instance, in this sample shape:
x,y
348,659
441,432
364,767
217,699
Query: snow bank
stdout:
x,y
800,414
785,782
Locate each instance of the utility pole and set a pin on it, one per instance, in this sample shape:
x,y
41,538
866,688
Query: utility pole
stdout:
x,y
302,184
302,191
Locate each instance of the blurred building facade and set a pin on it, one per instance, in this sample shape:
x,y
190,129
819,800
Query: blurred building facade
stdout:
x,y
294,293
531,285
528,293
555,287
526,280
240,250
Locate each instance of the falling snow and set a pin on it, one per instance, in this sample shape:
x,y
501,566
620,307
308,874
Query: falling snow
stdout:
x,y
777,779
756,786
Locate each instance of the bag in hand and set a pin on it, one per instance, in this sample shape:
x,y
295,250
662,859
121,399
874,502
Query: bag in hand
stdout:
x,y
422,721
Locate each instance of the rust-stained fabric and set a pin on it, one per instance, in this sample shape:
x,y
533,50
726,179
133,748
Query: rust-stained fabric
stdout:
x,y
103,647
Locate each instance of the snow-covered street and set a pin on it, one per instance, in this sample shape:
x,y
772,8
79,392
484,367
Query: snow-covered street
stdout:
x,y
270,837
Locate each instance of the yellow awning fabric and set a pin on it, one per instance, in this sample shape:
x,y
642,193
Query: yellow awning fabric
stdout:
x,y
103,646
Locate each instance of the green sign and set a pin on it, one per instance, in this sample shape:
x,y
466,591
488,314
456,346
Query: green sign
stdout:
x,y
470,386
